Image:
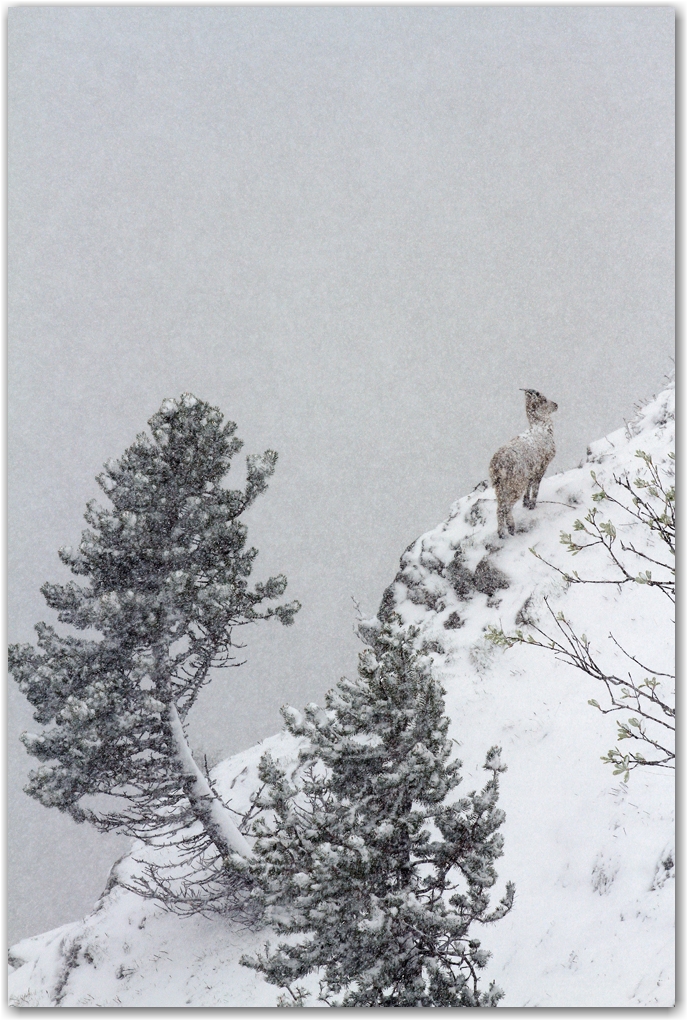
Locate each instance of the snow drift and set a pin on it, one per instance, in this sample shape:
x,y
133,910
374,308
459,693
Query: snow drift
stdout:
x,y
592,857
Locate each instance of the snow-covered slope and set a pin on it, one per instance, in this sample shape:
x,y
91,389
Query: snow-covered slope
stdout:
x,y
592,857
130,952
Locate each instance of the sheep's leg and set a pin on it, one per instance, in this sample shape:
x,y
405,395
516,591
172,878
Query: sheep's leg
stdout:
x,y
504,517
533,492
501,518
527,498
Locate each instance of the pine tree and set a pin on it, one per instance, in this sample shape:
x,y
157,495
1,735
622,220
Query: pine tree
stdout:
x,y
359,859
165,571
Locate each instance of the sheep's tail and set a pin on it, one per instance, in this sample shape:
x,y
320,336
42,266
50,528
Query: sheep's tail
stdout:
x,y
501,465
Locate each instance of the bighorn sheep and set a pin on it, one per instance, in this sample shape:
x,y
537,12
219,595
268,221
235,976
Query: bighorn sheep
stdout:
x,y
518,467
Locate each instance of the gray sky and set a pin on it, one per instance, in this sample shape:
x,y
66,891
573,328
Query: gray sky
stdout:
x,y
358,231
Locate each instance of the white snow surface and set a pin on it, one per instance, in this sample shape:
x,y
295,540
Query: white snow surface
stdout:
x,y
591,857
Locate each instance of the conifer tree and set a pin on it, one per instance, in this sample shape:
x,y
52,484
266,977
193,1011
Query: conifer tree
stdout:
x,y
377,880
166,585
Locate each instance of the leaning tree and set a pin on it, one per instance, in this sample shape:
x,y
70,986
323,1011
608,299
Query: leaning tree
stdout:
x,y
165,586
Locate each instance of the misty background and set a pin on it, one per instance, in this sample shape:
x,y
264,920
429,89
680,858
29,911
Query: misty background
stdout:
x,y
357,231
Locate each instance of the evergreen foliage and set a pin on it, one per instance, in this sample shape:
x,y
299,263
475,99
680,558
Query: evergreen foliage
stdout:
x,y
359,856
166,583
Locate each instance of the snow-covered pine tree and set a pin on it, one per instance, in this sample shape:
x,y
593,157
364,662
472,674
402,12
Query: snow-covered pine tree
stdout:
x,y
376,880
166,573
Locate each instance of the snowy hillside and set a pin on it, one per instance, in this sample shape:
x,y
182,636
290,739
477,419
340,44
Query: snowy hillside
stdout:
x,y
592,857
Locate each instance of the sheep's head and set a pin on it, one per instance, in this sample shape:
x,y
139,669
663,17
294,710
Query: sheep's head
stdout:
x,y
538,408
